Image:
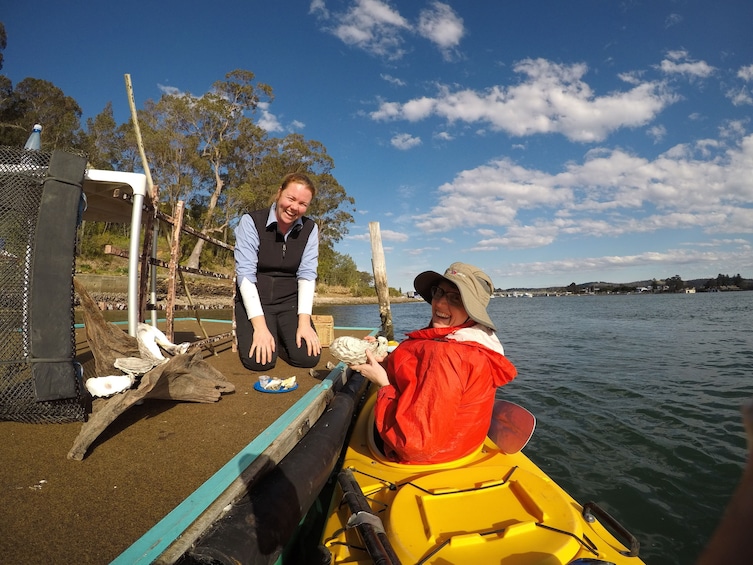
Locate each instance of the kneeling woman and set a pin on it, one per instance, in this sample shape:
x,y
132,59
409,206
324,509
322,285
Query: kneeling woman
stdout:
x,y
276,258
437,388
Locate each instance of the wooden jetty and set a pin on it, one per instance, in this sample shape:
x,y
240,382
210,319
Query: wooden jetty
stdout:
x,y
160,473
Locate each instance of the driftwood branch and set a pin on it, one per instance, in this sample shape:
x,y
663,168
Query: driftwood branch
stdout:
x,y
106,340
184,377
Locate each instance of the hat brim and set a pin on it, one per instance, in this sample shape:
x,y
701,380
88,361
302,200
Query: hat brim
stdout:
x,y
423,283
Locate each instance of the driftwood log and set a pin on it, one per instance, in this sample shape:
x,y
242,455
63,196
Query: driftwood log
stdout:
x,y
184,377
107,341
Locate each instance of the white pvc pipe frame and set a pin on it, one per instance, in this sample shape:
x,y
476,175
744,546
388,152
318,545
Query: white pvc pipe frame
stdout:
x,y
137,183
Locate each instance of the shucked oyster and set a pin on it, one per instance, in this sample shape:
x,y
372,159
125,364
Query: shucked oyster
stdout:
x,y
352,350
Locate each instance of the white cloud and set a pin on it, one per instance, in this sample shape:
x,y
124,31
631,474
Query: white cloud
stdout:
x,y
520,237
318,7
657,133
379,29
268,121
393,80
706,185
371,25
678,62
672,20
420,251
746,73
740,96
391,235
733,129
442,26
552,99
169,90
405,141
667,259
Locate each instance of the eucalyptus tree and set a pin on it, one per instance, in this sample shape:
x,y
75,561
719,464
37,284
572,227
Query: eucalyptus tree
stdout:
x,y
171,149
190,140
3,42
33,101
109,145
260,179
209,152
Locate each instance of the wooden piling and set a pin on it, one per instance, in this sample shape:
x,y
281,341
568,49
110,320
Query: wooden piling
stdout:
x,y
380,280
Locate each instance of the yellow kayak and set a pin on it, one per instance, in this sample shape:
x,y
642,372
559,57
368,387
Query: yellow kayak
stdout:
x,y
489,507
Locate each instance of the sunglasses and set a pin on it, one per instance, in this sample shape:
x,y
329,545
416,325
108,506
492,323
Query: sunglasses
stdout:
x,y
453,298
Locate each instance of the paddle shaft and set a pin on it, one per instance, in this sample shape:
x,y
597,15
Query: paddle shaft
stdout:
x,y
379,547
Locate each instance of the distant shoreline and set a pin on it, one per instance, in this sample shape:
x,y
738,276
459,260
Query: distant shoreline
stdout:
x,y
116,301
110,293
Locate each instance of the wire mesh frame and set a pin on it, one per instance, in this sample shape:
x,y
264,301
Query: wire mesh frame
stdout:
x,y
22,175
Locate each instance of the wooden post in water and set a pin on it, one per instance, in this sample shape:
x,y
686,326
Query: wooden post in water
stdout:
x,y
380,280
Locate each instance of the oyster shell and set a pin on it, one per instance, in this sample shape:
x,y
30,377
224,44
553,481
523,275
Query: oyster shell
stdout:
x,y
107,386
151,339
134,366
269,383
352,350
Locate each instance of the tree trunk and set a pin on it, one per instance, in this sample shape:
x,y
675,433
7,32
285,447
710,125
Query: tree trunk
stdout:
x,y
195,257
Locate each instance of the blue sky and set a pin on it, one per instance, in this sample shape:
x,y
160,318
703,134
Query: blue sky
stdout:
x,y
547,142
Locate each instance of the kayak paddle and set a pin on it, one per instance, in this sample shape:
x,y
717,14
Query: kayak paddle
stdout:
x,y
511,427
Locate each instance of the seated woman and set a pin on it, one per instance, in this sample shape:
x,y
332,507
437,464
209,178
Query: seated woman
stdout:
x,y
437,388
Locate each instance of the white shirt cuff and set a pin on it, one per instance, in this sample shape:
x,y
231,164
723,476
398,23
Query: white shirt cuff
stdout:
x,y
306,296
250,298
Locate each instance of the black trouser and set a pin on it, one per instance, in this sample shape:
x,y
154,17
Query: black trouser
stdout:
x,y
282,321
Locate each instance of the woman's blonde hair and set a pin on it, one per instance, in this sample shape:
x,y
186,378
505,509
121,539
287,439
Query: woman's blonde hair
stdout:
x,y
299,178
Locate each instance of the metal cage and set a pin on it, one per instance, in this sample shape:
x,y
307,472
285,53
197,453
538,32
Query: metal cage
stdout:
x,y
40,198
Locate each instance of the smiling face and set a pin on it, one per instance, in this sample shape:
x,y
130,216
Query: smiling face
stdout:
x,y
292,203
447,308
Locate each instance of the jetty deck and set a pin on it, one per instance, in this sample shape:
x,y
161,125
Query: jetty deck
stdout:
x,y
155,468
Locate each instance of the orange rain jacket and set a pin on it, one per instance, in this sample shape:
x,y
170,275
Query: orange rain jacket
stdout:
x,y
438,405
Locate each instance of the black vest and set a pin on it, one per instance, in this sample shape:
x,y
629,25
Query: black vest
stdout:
x,y
279,260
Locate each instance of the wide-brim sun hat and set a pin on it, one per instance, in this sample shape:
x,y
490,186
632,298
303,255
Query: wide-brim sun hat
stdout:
x,y
474,285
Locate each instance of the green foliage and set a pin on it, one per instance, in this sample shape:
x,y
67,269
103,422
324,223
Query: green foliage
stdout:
x,y
109,145
336,269
205,150
94,236
726,281
675,284
38,101
3,42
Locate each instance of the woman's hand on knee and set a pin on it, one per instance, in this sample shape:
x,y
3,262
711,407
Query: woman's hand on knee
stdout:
x,y
308,334
262,346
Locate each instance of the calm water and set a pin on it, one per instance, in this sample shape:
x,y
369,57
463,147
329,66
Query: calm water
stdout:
x,y
637,399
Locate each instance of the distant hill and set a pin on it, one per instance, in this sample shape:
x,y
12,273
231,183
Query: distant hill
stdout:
x,y
698,284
